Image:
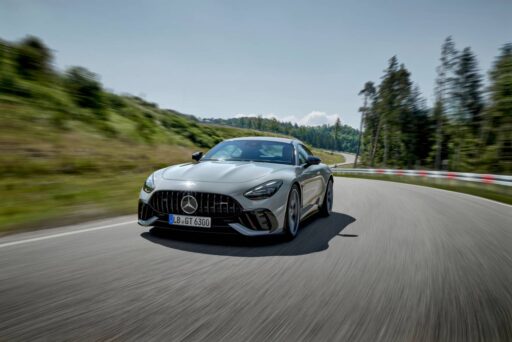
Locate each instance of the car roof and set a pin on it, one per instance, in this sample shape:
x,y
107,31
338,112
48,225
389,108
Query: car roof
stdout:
x,y
277,139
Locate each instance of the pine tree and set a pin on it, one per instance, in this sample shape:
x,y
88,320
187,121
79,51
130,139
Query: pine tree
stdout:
x,y
498,116
392,107
466,121
337,127
445,85
368,92
468,91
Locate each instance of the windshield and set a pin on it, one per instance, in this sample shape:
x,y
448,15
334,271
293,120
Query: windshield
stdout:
x,y
252,150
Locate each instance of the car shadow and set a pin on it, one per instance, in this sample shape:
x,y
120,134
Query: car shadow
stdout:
x,y
314,236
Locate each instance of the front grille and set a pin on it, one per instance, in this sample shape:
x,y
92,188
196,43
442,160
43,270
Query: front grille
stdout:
x,y
213,205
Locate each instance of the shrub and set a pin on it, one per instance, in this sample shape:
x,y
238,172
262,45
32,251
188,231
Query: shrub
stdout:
x,y
85,89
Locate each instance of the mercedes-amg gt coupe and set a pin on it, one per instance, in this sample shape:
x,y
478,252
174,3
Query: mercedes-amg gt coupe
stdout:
x,y
252,186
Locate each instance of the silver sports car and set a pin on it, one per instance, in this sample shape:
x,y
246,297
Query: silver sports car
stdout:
x,y
253,186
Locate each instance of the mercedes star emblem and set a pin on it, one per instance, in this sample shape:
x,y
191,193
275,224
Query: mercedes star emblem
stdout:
x,y
189,204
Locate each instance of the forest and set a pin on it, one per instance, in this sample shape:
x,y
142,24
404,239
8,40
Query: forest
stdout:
x,y
468,128
336,137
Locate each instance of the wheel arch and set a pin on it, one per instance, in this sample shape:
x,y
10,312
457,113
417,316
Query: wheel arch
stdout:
x,y
300,191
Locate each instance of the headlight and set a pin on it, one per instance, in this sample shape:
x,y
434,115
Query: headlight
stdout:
x,y
149,185
264,190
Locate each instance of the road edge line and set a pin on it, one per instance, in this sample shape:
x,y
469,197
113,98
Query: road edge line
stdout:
x,y
19,242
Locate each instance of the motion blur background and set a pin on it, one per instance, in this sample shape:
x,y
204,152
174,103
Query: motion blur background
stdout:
x,y
72,148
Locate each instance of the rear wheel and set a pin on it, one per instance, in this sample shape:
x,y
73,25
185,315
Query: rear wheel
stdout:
x,y
326,208
292,218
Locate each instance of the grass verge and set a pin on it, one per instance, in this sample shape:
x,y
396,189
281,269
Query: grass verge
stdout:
x,y
493,192
329,157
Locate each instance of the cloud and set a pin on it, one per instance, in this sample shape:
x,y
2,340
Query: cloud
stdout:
x,y
264,116
315,118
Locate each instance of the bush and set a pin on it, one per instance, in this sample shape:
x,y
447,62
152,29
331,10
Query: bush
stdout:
x,y
85,89
32,58
9,85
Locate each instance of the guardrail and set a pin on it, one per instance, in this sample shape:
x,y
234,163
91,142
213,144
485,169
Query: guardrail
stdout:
x,y
463,176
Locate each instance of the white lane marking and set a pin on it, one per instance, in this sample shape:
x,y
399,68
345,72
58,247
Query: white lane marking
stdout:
x,y
13,243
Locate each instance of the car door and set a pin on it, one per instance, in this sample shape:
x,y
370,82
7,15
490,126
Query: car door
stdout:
x,y
310,179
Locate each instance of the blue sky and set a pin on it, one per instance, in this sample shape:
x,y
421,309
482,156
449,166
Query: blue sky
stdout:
x,y
303,61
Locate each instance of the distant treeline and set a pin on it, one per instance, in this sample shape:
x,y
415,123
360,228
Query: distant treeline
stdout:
x,y
469,127
331,137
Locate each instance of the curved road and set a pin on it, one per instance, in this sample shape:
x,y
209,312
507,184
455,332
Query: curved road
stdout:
x,y
349,158
395,262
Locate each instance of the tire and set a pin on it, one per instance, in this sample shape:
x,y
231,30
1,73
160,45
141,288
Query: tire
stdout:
x,y
326,208
292,217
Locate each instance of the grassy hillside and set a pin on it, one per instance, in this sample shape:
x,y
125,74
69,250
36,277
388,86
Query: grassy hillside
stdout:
x,y
79,170
71,151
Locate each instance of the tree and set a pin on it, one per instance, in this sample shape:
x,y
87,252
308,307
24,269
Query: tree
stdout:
x,y
498,116
368,92
33,59
445,85
465,145
85,89
416,129
468,92
337,127
384,105
394,120
391,105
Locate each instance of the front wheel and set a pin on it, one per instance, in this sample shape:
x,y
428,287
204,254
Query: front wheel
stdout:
x,y
292,218
326,208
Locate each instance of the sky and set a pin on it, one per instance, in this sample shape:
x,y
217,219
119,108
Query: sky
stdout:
x,y
300,61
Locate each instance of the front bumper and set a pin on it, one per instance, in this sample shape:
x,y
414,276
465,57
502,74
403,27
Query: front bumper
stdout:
x,y
256,222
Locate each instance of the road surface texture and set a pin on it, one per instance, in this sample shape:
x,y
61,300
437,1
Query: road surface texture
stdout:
x,y
395,262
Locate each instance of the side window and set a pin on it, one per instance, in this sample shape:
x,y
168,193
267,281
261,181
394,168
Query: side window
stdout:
x,y
303,154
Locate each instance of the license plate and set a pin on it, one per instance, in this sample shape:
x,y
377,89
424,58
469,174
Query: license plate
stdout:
x,y
190,221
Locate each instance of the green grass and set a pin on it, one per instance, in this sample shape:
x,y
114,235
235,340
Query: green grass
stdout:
x,y
494,192
329,157
62,164
71,150
45,201
83,168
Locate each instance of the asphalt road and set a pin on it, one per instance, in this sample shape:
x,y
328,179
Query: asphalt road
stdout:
x,y
395,262
349,158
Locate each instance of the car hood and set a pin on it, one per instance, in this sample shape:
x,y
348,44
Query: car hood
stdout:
x,y
221,171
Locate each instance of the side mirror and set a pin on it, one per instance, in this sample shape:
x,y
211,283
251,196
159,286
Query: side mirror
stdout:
x,y
312,160
197,155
